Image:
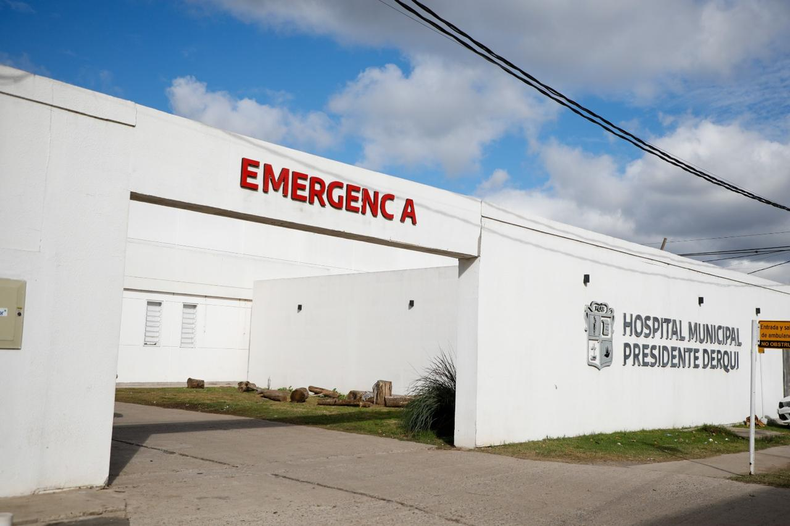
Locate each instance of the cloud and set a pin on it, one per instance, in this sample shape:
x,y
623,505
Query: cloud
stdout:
x,y
498,179
24,63
642,47
436,114
190,98
646,200
20,7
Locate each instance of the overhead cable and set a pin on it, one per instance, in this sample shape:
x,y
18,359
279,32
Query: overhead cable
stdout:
x,y
508,67
772,266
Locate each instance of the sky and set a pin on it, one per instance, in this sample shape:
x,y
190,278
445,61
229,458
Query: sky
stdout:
x,y
359,82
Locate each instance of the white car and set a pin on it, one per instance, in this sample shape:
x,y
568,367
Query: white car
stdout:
x,y
784,411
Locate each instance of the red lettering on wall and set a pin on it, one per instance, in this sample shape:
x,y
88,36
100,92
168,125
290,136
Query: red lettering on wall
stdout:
x,y
306,189
298,184
276,184
247,174
386,198
352,197
335,202
317,189
370,202
408,212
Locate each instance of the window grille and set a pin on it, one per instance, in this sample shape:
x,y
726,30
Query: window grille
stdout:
x,y
153,322
188,325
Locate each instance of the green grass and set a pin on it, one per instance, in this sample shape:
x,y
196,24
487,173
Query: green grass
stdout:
x,y
378,421
656,445
779,478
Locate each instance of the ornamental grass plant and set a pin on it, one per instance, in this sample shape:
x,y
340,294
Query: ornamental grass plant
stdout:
x,y
433,407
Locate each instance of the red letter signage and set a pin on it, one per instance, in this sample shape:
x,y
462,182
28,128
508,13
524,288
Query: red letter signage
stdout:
x,y
310,190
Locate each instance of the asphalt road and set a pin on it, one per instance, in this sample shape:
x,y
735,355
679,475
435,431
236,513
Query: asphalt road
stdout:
x,y
179,467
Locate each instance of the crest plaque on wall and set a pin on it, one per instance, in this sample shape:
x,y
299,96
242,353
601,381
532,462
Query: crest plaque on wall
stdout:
x,y
600,324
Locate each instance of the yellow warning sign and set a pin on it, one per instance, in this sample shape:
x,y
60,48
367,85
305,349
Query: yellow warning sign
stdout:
x,y
774,335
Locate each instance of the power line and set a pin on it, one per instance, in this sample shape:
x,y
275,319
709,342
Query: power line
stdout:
x,y
587,114
416,20
757,250
719,237
772,266
773,253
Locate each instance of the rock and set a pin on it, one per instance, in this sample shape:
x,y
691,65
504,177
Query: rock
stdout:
x,y
246,386
300,395
367,396
194,383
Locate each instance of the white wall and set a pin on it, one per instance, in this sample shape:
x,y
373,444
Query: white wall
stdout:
x,y
353,329
181,256
70,160
220,348
64,197
532,379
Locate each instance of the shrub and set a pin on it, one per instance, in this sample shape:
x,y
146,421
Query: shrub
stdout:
x,y
433,407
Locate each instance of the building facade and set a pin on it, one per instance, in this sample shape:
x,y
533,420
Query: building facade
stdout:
x,y
558,331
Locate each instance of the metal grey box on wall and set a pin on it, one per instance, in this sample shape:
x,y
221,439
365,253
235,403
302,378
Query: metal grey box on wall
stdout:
x,y
12,313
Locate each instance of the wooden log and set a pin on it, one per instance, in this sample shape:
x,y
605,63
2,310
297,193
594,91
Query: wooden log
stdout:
x,y
271,394
300,395
194,383
336,401
397,401
355,395
321,391
381,390
244,387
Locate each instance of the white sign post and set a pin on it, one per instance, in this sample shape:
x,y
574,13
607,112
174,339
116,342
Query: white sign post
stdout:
x,y
752,360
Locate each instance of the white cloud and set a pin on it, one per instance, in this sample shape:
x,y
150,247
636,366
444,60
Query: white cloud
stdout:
x,y
190,98
24,63
635,46
438,113
498,179
648,199
20,7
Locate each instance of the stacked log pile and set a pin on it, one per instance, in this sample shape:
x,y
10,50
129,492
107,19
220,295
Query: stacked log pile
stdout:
x,y
380,395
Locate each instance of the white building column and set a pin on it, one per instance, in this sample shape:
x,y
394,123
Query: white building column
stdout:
x,y
466,352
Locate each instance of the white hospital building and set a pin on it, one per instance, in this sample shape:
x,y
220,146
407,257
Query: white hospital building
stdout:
x,y
140,247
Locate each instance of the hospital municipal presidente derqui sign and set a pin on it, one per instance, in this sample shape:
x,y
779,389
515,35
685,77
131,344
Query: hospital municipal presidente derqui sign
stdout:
x,y
660,342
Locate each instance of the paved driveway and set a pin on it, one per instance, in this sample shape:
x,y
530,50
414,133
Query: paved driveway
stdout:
x,y
180,467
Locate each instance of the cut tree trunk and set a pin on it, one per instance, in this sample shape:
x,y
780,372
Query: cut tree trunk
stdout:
x,y
321,391
300,395
381,390
271,394
335,401
355,395
397,401
194,383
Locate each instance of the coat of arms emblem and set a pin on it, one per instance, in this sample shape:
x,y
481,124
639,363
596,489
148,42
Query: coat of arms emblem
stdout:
x,y
600,323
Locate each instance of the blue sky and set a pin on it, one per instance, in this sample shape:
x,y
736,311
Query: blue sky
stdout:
x,y
355,81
